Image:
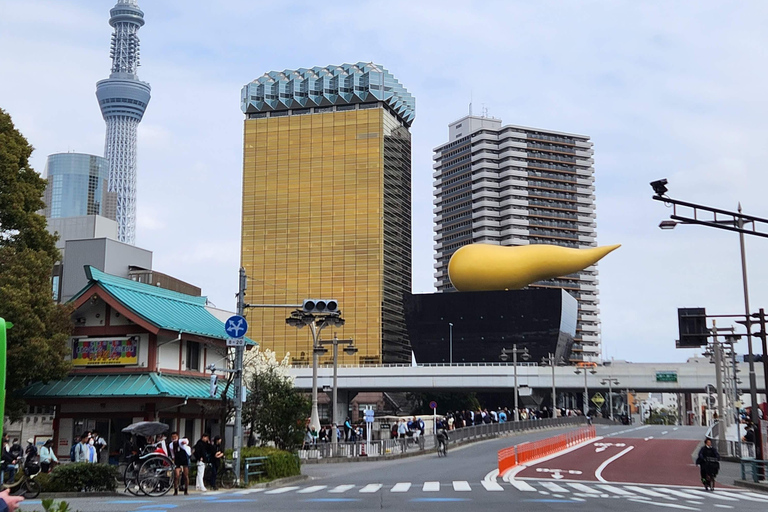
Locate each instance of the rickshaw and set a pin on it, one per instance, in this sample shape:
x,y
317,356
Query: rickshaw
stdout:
x,y
149,471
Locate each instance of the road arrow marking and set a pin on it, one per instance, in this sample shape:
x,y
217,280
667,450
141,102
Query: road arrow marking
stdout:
x,y
647,438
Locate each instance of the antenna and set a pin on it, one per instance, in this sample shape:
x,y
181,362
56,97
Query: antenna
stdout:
x,y
470,102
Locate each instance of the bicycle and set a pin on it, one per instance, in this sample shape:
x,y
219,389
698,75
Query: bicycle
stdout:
x,y
26,485
442,448
226,477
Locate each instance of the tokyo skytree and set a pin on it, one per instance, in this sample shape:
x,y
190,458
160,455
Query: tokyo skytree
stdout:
x,y
123,98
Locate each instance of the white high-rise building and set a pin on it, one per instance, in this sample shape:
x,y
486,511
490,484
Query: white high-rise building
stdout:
x,y
123,98
513,185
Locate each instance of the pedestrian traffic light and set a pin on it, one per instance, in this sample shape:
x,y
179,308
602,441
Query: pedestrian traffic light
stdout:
x,y
214,384
692,323
320,306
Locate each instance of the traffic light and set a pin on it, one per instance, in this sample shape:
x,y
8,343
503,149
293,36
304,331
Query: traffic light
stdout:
x,y
214,384
692,323
320,306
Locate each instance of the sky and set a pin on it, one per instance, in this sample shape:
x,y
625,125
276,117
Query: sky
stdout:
x,y
672,89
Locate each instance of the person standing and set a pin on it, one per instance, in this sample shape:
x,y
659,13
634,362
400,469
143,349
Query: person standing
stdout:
x,y
92,457
7,458
181,457
216,454
102,454
47,457
201,454
347,428
81,449
402,431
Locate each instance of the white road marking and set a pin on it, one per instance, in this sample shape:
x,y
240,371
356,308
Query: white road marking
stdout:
x,y
461,486
665,432
711,495
282,490
668,505
401,487
250,491
583,488
309,490
722,506
341,488
431,487
742,496
648,438
554,487
615,490
599,470
648,492
491,485
492,475
678,493
523,486
371,488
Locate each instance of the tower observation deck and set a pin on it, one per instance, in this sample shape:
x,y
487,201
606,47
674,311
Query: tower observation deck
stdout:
x,y
123,98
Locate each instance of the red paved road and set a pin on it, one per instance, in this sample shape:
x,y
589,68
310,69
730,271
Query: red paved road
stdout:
x,y
656,461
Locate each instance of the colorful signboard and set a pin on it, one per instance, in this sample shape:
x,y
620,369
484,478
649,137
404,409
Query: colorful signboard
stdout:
x,y
105,351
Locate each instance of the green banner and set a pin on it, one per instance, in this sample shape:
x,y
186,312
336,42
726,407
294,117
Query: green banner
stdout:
x,y
666,376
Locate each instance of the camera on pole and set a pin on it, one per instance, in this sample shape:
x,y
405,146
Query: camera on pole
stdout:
x,y
320,306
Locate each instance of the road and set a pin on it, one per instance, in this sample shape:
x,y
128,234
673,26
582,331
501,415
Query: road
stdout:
x,y
625,469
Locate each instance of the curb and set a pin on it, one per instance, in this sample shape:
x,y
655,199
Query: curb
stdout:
x,y
279,481
757,486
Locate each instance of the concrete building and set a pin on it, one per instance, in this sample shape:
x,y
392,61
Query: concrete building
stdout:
x,y
78,186
514,185
123,98
327,205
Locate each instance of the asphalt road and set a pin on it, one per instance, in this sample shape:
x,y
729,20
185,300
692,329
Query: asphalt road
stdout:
x,y
656,473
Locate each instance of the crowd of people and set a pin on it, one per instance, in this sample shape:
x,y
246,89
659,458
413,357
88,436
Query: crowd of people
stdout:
x,y
347,433
14,457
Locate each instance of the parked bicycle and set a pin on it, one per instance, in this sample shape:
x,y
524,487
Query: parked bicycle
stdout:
x,y
26,485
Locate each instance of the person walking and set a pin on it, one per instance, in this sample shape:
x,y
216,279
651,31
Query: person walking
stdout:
x,y
181,457
47,457
81,449
709,464
201,455
402,431
347,428
102,454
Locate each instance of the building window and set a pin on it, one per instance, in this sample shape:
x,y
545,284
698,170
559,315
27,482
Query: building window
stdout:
x,y
193,355
55,285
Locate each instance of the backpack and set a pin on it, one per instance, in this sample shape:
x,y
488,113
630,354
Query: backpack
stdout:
x,y
72,452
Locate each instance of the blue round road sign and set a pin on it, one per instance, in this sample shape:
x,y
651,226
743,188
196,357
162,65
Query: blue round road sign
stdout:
x,y
433,405
236,326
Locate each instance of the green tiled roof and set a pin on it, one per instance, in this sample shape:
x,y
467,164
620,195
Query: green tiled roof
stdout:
x,y
123,386
163,308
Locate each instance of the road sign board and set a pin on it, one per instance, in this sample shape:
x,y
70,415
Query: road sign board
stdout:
x,y
368,415
235,342
598,399
666,376
236,326
433,405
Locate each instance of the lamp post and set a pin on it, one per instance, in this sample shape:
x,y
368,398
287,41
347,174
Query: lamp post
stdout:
x,y
731,221
350,350
583,368
550,360
450,342
505,357
610,381
316,322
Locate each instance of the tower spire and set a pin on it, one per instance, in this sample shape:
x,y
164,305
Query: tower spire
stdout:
x,y
123,98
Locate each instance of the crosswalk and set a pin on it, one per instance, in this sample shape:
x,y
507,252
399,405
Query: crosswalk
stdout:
x,y
578,491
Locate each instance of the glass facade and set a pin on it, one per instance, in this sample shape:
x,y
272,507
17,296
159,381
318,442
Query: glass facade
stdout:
x,y
541,320
77,186
326,214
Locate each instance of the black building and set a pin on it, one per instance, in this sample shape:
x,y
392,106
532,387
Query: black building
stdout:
x,y
543,320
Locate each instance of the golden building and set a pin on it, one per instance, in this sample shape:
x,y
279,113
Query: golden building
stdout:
x,y
327,206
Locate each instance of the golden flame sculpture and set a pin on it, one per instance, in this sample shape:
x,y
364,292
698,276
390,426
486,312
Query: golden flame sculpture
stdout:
x,y
486,267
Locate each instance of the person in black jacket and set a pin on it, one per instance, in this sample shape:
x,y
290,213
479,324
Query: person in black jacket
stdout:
x,y
709,464
201,454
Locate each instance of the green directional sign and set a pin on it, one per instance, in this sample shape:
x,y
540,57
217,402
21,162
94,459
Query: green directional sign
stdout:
x,y
666,376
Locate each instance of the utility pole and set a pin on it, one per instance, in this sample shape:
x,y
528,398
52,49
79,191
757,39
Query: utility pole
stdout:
x,y
719,382
238,441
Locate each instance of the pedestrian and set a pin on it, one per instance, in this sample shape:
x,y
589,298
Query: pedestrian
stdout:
x,y
102,454
181,457
347,428
402,431
92,456
201,455
749,439
81,449
47,457
30,452
422,431
7,458
709,464
215,454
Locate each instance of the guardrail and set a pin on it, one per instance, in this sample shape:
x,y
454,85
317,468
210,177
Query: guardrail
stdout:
x,y
390,447
518,454
758,469
256,463
726,448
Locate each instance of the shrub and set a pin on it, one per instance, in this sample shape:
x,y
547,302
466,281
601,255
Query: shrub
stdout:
x,y
80,476
279,463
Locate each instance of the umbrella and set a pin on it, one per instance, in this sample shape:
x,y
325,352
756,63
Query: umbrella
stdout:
x,y
146,428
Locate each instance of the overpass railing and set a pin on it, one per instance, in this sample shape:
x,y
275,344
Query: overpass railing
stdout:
x,y
393,447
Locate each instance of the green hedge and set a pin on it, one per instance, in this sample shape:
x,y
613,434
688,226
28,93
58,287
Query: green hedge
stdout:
x,y
279,463
80,476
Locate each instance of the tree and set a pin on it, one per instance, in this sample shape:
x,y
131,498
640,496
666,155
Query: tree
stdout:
x,y
38,341
276,411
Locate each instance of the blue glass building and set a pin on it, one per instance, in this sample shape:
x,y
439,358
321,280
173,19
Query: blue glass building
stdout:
x,y
77,186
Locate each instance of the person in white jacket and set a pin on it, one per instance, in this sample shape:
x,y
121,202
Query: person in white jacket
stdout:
x,y
47,457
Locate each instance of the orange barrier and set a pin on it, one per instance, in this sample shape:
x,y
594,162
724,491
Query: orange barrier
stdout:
x,y
524,452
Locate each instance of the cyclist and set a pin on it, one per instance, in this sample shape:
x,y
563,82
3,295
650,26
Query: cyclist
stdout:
x,y
709,464
442,438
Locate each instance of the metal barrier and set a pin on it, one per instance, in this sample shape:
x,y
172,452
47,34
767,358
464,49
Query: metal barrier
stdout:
x,y
251,463
518,454
758,468
726,448
389,447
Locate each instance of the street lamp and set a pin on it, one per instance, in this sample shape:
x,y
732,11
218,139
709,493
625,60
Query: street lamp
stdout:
x,y
583,368
450,341
505,357
731,221
610,381
316,322
350,349
550,360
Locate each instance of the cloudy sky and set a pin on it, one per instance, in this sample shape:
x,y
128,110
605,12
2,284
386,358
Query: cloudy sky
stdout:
x,y
671,89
